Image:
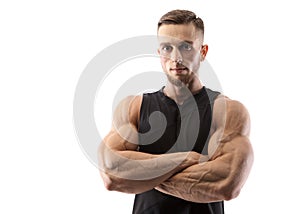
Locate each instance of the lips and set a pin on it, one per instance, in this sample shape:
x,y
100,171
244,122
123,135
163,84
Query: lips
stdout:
x,y
178,70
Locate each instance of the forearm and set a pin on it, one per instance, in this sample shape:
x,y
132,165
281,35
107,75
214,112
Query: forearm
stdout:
x,y
218,179
135,172
126,185
197,183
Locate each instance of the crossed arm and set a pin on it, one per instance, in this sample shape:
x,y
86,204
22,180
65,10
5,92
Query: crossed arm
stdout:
x,y
230,159
218,179
125,169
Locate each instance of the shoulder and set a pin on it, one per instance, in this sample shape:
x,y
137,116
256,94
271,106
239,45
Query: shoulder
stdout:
x,y
232,116
232,108
128,110
123,133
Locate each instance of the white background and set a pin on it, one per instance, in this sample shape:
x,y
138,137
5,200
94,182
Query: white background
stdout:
x,y
44,47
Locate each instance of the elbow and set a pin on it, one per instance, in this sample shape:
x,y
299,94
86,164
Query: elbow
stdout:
x,y
106,168
110,183
113,183
229,192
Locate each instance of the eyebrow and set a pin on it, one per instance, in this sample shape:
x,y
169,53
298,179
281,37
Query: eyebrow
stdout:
x,y
164,43
184,41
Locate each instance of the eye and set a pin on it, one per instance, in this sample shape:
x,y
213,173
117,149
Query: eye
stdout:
x,y
185,47
167,48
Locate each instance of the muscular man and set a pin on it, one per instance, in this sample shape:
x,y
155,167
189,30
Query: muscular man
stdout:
x,y
184,148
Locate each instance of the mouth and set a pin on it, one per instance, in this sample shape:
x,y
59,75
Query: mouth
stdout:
x,y
179,70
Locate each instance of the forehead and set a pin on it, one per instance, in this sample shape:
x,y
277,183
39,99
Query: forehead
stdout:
x,y
183,32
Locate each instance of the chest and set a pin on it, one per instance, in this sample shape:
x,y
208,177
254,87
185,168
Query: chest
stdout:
x,y
165,127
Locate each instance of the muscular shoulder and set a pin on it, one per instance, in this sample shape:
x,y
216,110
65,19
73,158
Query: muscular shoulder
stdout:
x,y
231,116
128,111
123,133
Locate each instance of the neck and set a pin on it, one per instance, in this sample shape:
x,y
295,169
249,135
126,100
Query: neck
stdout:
x,y
180,93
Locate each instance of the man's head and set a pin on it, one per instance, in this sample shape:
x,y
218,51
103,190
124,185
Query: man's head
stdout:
x,y
180,34
181,17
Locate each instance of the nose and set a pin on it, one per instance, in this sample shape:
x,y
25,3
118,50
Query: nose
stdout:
x,y
176,56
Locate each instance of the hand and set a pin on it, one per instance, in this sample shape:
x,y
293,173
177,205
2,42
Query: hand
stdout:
x,y
191,159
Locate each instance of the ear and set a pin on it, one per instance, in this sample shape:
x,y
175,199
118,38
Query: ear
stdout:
x,y
203,52
158,51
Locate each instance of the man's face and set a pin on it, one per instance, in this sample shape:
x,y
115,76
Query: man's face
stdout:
x,y
181,51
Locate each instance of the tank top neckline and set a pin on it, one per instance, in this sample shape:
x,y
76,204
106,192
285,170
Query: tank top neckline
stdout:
x,y
168,99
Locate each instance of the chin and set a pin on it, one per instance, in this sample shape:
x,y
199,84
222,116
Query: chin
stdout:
x,y
175,81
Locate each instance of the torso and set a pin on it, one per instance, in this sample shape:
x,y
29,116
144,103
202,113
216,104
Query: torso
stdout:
x,y
187,128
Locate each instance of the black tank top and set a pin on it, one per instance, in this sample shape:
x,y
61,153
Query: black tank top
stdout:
x,y
181,121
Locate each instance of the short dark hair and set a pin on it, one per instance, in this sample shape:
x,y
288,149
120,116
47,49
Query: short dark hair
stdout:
x,y
181,17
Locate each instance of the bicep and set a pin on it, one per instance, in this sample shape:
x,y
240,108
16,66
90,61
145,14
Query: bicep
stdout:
x,y
230,120
116,142
230,145
124,132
